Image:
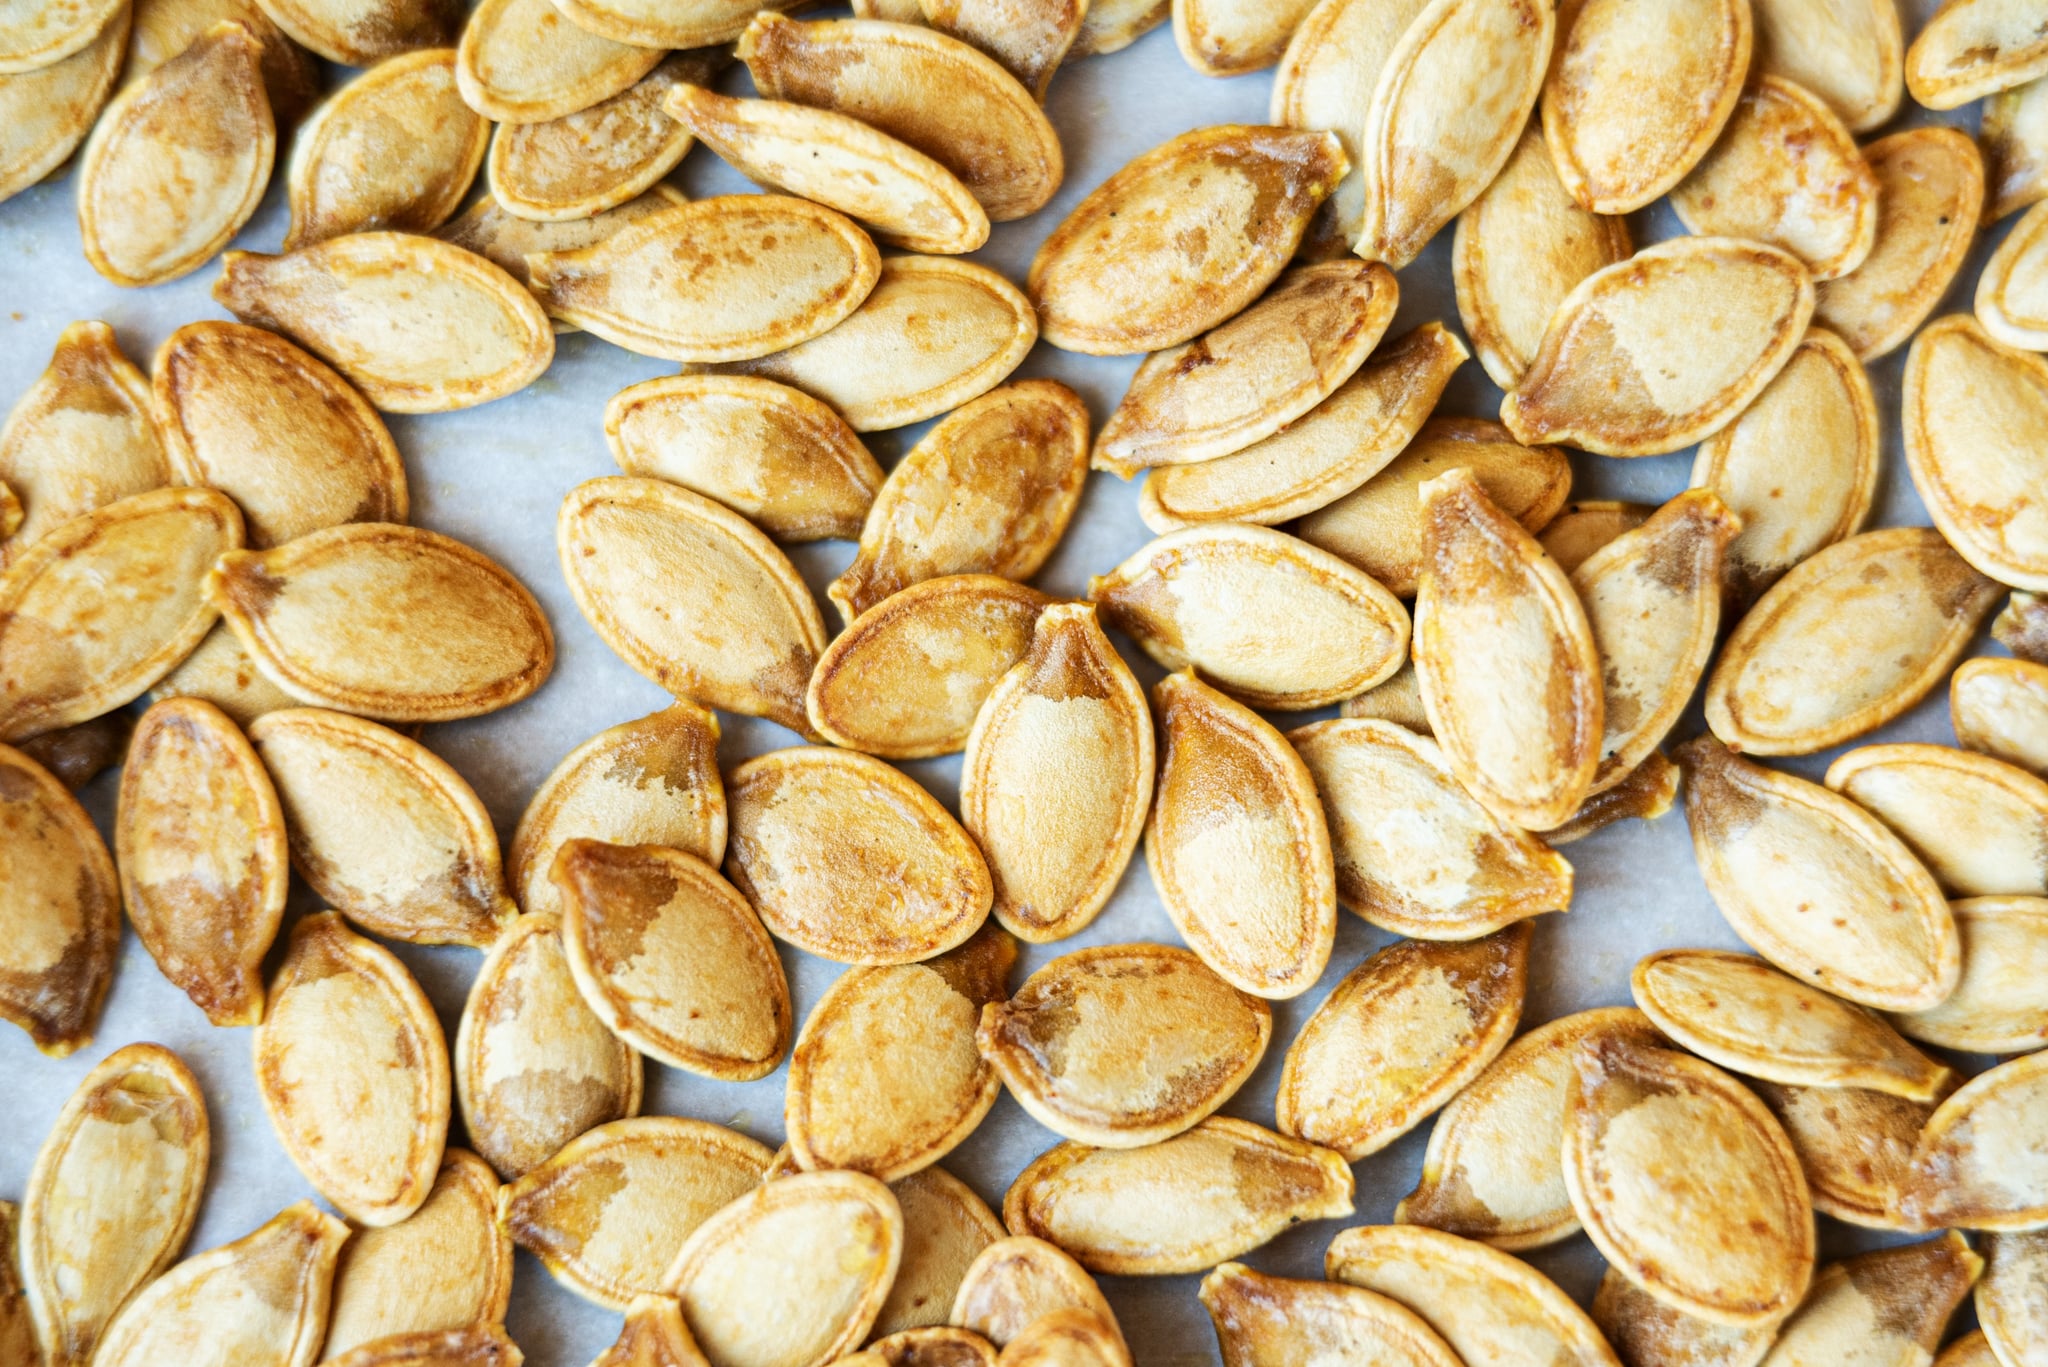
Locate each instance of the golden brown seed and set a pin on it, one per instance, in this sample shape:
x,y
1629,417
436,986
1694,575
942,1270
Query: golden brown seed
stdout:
x,y
908,677
1848,640
505,241
35,36
1215,1192
1398,700
1855,1146
220,671
1029,38
1978,824
204,868
2022,626
2012,1295
478,1346
2014,139
691,595
927,1346
523,61
164,28
1067,1338
1237,843
1646,1332
1728,1235
1892,1305
359,32
1585,526
46,113
1114,277
660,24
1271,1319
534,1066
76,755
1972,48
2000,708
1850,54
945,1228
1645,793
1113,25
2010,302
1398,1037
17,1331
607,1214
1979,1163
10,512
1971,1350
1017,1281
987,491
60,909
653,1335
1974,416
1231,37
1997,1007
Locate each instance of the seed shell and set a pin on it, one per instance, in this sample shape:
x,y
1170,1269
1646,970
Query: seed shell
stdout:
x,y
505,240
60,909
1971,1350
1856,1147
1272,1319
2014,138
1583,527
945,1229
360,32
2012,1306
1998,1006
36,36
1892,1305
1113,25
523,61
1398,700
17,1331
46,113
1978,824
2022,626
1850,53
1232,37
1980,1163
1972,48
2000,708
660,24
1018,1281
1974,416
477,1346
927,1346
75,755
1030,40
653,1335
164,28
1646,1332
1067,1338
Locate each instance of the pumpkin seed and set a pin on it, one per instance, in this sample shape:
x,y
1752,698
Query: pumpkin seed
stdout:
x,y
1744,1015
60,909
716,280
523,61
2000,708
1849,639
444,1267
1646,1332
244,411
46,113
989,490
164,28
36,36
671,959
927,1346
945,1229
607,1214
1620,374
1972,48
479,1346
1113,25
505,240
115,1190
2011,1306
1488,1306
1521,246
534,1066
1322,455
94,613
1971,1350
657,24
653,781
1848,52
1067,1338
792,1273
1379,526
262,1298
1015,1282
1856,1146
1398,700
1232,37
1979,1163
1892,1305
1398,1037
10,512
1930,194
2009,300
2014,139
653,1335
1213,1193
1769,845
885,1078
1273,1319
177,162
1978,824
1135,266
353,1072
419,325
360,32
934,333
850,860
75,755
2022,626
1586,526
1029,39
1125,1045
1237,844
906,680
17,1331
1729,1239
383,830
1997,1006
1491,1171
201,843
924,88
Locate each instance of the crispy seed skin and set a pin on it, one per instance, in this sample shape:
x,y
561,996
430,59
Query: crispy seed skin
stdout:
x,y
849,859
1997,1006
1215,1192
477,1346
653,1335
534,1066
10,512
1975,413
1646,1332
1980,825
1491,1172
2011,1304
1848,640
2000,708
1585,526
657,24
164,28
1237,843
523,61
35,36
46,113
1622,370
1972,48
506,240
360,32
76,755
2014,138
1892,1305
419,325
2010,300
1725,1234
1067,1338
927,1346
989,490
1030,38
1645,793
1398,700
1850,53
1017,1281
60,909
1855,1146
2022,626
1181,238
946,1228
1272,1319
1112,25
204,867
17,1331
383,830
1231,37
1979,1163
607,1214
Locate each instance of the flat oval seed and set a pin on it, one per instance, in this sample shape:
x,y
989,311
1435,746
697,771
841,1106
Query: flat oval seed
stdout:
x,y
1728,1238
1237,844
672,959
383,830
1584,527
776,455
1974,416
446,1266
221,672
2014,138
849,859
204,868
418,325
1113,278
653,1335
115,1190
659,24
1646,1332
1930,194
94,613
60,909
534,1066
1415,854
1491,1171
691,595
35,36
2000,708
478,1346
78,754
1216,1192
1231,37
2010,300
2011,1304
46,113
1770,845
1848,640
244,411
1998,1006
989,490
177,162
164,28
1521,246
1626,367
1272,1319
907,678
934,333
1979,1163
1978,824
945,1229
1892,1305
1850,54
607,1214
353,1072
523,61
1856,1147
1746,1016
1398,1037
1972,48
1112,25
1067,1338
262,1298
359,32
1030,40
1016,1282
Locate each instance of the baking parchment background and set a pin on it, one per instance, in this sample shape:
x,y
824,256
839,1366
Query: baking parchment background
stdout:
x,y
494,476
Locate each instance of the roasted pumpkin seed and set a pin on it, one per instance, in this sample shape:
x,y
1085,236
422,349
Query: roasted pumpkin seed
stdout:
x,y
1892,1305
2022,626
1029,39
945,1228
1971,1350
653,1335
1067,1338
927,1346
1398,700
1997,1007
76,755
1584,527
10,512
164,28
505,240
2010,303
1646,1332
1015,1282
359,32
1113,25
17,1331
1231,37
36,36
2014,138
1978,824
1979,1164
523,61
654,23
2000,708
46,113
1850,54
477,1346
1272,1319
1972,48
2011,1305
1856,1146
60,909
